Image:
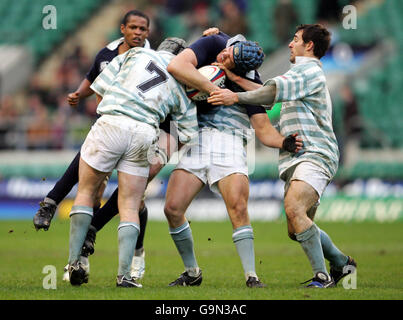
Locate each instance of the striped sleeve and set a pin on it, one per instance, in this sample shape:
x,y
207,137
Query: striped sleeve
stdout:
x,y
185,116
107,76
296,85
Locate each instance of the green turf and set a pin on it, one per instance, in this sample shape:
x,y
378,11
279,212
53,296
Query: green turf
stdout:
x,y
280,263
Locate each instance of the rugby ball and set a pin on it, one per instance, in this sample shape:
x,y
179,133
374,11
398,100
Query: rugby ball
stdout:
x,y
214,74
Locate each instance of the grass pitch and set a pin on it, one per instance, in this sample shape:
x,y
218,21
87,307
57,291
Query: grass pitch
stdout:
x,y
280,263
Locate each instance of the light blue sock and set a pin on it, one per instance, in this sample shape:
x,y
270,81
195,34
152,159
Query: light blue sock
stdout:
x,y
243,240
127,236
310,242
80,220
182,236
336,258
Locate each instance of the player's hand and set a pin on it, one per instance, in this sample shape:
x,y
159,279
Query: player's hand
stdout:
x,y
222,97
228,73
73,98
211,31
292,144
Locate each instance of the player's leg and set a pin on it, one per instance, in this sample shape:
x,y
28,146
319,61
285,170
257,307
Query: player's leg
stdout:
x,y
131,190
133,171
63,186
300,197
166,146
235,192
138,267
88,246
100,193
337,259
314,177
183,186
102,216
80,218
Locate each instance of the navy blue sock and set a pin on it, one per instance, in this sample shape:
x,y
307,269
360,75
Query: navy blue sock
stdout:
x,y
64,185
107,212
143,216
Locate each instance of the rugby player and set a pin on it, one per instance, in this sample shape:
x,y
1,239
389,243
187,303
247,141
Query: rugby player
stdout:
x,y
307,109
219,159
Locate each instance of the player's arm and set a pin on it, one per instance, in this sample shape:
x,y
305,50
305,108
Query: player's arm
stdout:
x,y
273,90
263,96
185,117
270,137
82,92
244,83
183,68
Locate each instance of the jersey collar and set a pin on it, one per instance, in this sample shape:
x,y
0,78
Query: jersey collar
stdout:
x,y
303,60
116,43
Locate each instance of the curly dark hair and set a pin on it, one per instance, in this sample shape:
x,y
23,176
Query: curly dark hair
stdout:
x,y
137,13
319,35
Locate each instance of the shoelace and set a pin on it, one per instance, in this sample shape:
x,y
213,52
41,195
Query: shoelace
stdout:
x,y
312,279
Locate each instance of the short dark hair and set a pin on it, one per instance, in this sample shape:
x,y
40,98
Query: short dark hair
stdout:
x,y
135,13
319,35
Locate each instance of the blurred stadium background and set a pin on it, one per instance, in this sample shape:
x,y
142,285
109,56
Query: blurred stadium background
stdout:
x,y
40,134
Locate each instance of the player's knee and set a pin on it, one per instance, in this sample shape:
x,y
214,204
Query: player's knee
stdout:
x,y
291,210
237,205
172,210
238,211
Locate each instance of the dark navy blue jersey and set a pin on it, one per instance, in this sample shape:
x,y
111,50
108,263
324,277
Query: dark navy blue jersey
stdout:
x,y
103,58
206,50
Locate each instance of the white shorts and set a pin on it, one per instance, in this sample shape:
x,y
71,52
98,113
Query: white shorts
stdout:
x,y
216,156
119,142
311,174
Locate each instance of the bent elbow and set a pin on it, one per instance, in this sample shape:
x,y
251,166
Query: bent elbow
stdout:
x,y
172,68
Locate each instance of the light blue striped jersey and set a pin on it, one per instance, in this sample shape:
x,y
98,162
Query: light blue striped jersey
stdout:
x,y
307,109
231,119
234,119
136,84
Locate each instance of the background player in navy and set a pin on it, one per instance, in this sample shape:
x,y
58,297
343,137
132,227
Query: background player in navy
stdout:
x,y
135,30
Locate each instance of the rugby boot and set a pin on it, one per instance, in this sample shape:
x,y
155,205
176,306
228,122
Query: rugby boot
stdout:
x,y
185,280
44,215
